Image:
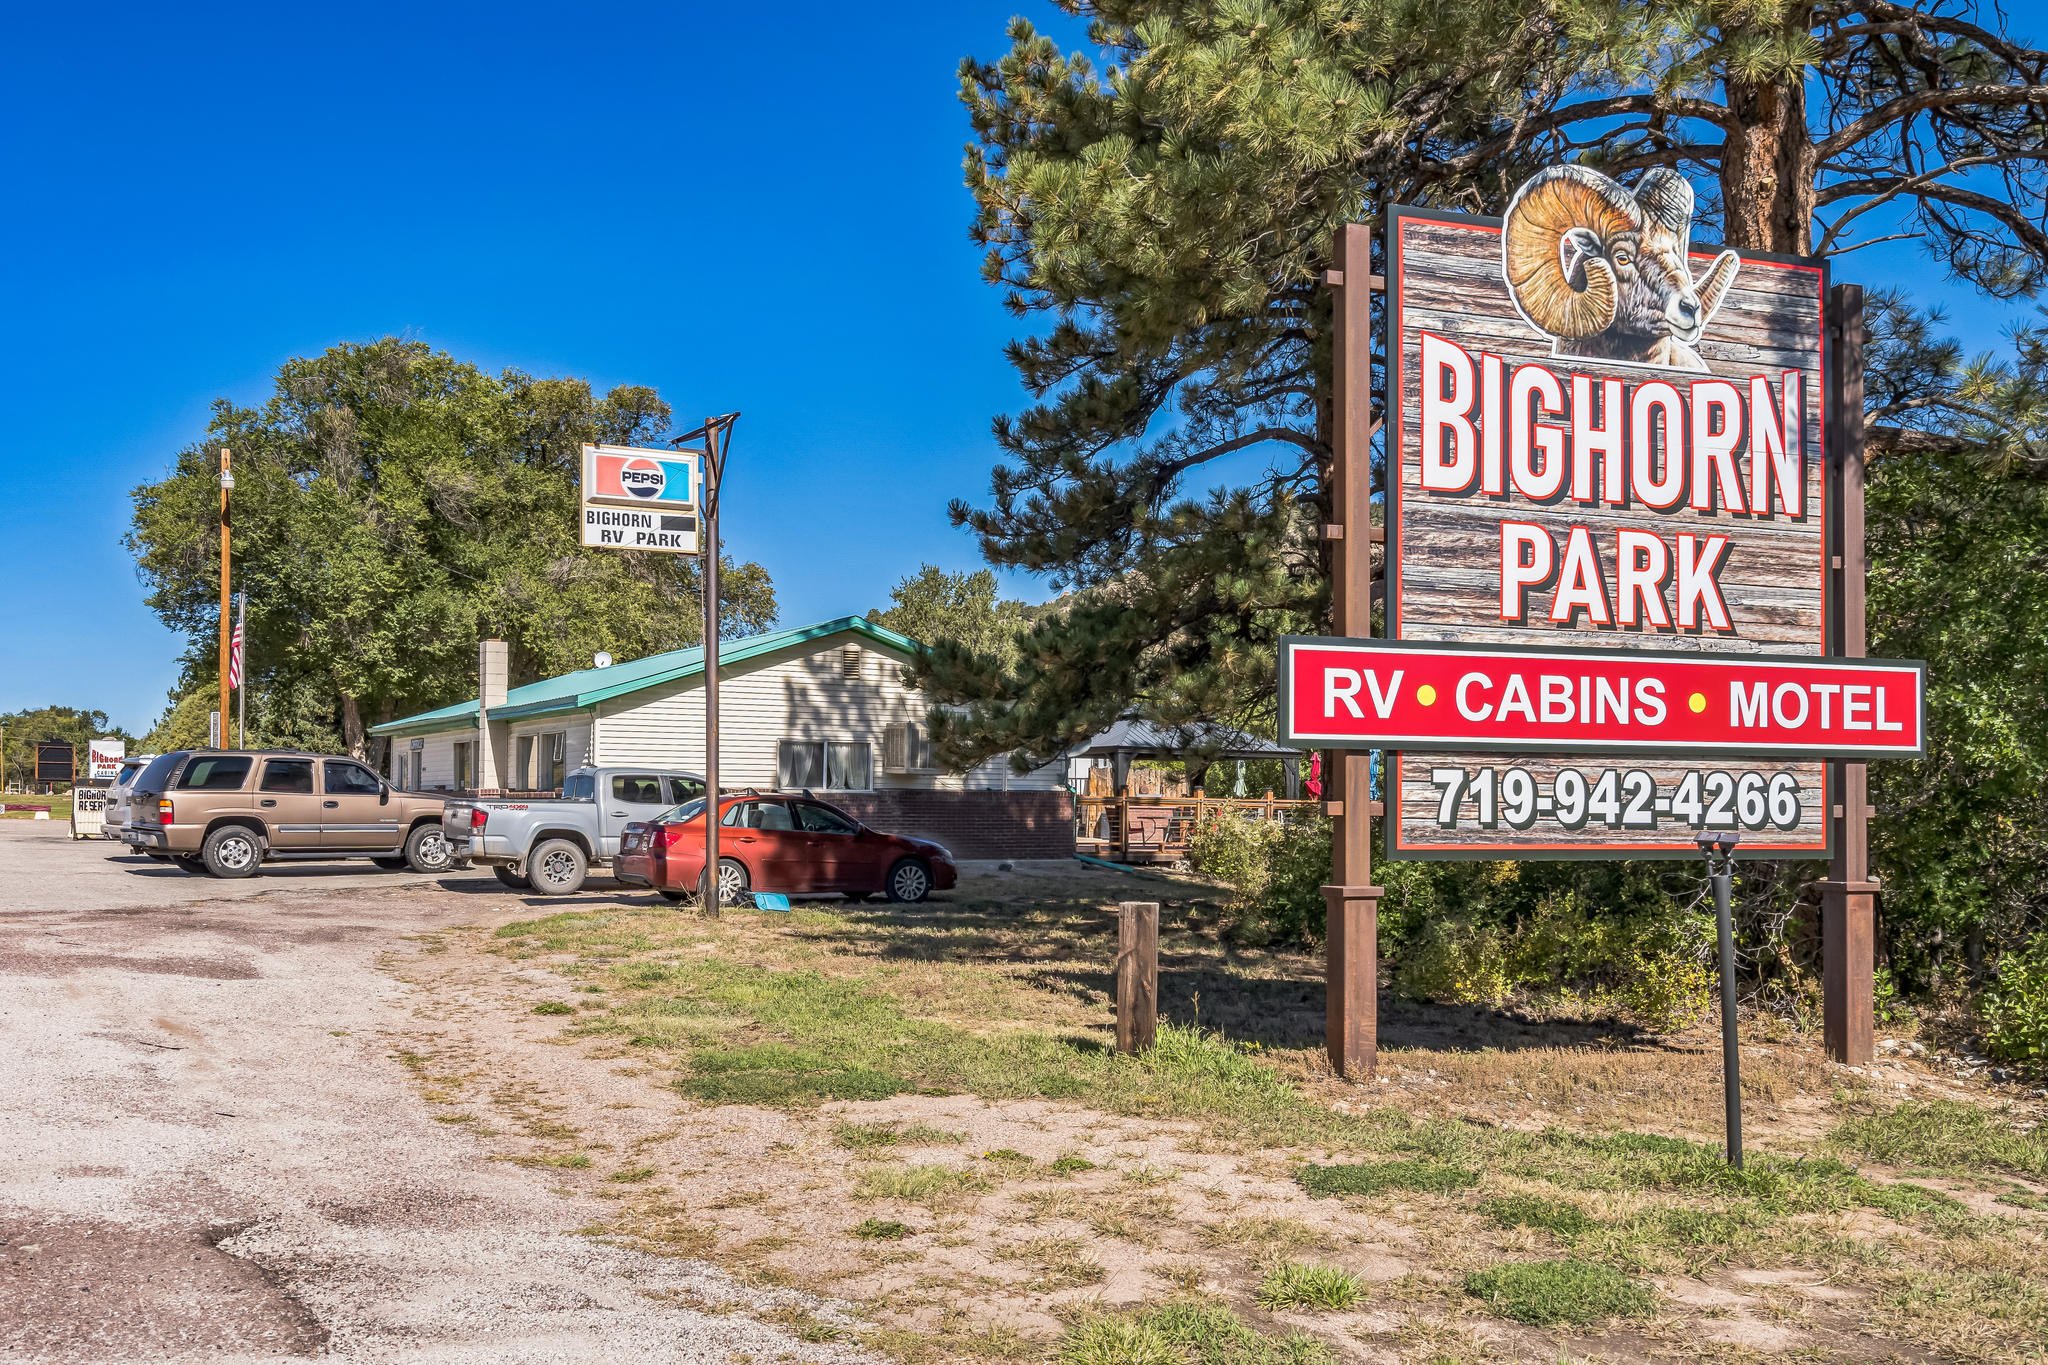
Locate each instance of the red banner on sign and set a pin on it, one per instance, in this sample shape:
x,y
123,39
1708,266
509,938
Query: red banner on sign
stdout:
x,y
1411,695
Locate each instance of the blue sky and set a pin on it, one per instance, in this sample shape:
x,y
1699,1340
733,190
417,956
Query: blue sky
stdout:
x,y
752,208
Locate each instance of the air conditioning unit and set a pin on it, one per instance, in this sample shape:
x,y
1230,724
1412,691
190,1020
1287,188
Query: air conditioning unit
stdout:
x,y
906,749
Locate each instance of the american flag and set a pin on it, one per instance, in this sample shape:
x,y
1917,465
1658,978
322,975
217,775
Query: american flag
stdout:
x,y
235,657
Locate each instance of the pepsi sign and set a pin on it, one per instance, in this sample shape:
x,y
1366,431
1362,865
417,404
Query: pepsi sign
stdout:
x,y
624,476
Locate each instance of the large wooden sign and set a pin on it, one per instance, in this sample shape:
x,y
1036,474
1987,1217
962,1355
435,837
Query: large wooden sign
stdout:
x,y
1600,437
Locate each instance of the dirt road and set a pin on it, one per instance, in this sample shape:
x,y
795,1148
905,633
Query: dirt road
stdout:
x,y
213,1153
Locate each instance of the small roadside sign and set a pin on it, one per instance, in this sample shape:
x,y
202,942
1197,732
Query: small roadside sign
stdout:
x,y
103,759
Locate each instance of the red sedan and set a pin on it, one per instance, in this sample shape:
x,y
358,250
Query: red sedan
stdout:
x,y
777,842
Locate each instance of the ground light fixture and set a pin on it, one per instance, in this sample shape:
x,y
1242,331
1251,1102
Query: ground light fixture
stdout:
x,y
1718,848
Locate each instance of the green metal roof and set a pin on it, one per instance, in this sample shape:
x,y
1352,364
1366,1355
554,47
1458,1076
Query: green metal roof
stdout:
x,y
585,688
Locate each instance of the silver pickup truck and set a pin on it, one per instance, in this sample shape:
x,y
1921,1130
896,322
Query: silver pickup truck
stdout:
x,y
549,845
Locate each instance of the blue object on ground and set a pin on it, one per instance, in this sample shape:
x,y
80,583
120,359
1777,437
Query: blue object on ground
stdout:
x,y
770,900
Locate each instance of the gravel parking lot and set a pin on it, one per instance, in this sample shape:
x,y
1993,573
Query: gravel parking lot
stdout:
x,y
213,1152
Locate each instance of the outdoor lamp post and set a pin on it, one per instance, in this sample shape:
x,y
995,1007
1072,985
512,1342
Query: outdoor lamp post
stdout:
x,y
1718,849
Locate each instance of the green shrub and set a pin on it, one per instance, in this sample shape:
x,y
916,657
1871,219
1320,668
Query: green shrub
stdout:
x,y
1667,991
2016,1007
1456,962
1276,870
1548,1293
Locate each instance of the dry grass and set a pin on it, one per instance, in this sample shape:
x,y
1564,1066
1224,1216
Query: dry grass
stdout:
x,y
1230,1153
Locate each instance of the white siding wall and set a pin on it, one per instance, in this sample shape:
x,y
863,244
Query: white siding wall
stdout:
x,y
437,757
804,694
577,727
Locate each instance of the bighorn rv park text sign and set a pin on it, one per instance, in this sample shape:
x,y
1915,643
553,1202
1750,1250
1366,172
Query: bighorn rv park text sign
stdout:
x,y
642,499
1607,543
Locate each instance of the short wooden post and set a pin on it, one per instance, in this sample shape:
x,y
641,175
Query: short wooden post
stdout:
x,y
1137,975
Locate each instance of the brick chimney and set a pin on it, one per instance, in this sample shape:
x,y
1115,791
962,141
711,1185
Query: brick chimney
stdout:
x,y
493,675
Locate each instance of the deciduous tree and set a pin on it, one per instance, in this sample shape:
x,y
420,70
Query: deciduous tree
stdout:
x,y
392,506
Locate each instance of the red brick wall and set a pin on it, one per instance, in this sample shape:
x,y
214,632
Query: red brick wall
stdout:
x,y
1033,824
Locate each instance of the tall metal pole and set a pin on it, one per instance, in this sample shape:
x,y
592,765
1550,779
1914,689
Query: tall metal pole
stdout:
x,y
714,466
227,482
1720,854
1351,1005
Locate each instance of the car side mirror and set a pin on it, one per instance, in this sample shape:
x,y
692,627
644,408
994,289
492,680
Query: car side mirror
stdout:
x,y
383,796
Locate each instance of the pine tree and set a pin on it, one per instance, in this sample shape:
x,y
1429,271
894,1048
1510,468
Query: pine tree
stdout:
x,y
1164,222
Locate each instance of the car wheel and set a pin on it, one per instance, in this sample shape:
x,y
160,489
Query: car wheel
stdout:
x,y
909,881
232,851
512,879
426,849
557,868
389,864
732,881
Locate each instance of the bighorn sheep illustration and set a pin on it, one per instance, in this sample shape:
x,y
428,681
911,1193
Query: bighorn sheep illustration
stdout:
x,y
1605,272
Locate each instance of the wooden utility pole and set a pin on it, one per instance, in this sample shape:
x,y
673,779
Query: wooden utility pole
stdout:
x,y
1137,975
227,483
1351,1008
1849,895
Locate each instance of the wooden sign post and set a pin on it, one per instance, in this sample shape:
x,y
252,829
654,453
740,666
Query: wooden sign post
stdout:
x,y
1848,896
1137,975
1351,975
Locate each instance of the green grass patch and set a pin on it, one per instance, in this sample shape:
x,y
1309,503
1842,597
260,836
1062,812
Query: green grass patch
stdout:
x,y
870,1137
1420,1175
1554,1293
1556,1216
566,1161
631,1175
760,1035
881,1230
781,1075
1007,1156
1945,1136
1184,1333
553,1007
1069,1165
1297,1284
915,1184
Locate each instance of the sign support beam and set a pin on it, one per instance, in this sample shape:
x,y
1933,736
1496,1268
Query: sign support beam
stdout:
x,y
1351,1010
1849,895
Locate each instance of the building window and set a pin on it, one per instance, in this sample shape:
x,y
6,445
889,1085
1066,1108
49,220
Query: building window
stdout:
x,y
826,765
465,765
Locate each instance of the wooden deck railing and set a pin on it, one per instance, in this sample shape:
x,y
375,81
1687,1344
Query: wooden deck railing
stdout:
x,y
1158,829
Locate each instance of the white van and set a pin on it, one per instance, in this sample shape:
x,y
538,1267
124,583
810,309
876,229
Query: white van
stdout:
x,y
118,811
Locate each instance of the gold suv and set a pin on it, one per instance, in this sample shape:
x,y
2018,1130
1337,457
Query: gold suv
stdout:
x,y
229,811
